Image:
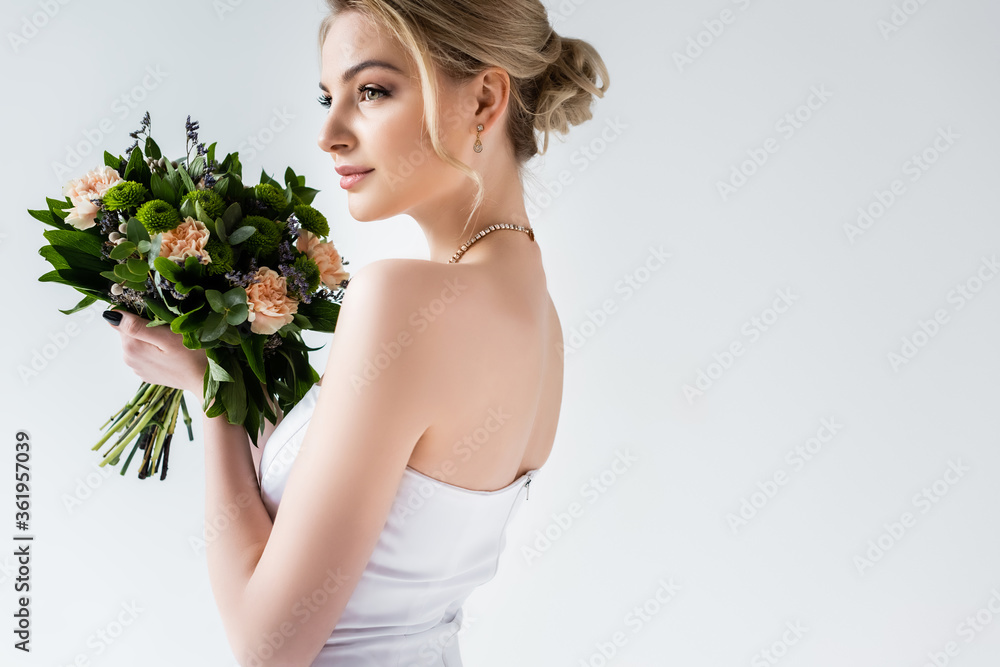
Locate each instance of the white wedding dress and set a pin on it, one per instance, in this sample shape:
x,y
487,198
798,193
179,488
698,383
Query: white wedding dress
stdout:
x,y
439,543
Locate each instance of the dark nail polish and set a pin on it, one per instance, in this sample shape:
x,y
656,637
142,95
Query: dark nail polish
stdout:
x,y
112,316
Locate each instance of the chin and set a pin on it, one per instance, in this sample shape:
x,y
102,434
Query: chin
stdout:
x,y
367,209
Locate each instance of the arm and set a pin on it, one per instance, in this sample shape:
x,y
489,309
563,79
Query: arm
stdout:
x,y
292,579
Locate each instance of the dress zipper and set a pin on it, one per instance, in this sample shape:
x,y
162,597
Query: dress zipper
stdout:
x,y
527,491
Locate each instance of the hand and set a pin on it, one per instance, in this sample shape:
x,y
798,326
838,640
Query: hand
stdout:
x,y
157,354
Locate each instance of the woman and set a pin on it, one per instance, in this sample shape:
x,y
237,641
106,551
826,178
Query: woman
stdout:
x,y
398,473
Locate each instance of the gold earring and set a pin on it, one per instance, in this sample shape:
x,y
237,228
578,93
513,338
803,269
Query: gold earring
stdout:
x,y
478,147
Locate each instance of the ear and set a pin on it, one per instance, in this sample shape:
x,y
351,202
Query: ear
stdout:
x,y
492,93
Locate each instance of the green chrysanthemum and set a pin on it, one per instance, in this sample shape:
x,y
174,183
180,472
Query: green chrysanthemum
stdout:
x,y
265,241
209,200
127,194
310,271
221,254
158,216
271,196
312,220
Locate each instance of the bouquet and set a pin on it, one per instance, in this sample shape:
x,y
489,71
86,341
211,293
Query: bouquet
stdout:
x,y
237,270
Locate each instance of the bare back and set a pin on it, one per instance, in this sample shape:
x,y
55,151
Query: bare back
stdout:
x,y
500,377
498,372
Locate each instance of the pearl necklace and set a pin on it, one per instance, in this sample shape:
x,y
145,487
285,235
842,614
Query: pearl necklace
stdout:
x,y
461,251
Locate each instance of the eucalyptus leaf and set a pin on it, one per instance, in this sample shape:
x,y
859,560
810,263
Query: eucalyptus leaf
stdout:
x,y
241,234
232,215
237,314
138,267
215,325
136,231
235,297
220,229
168,268
123,250
215,300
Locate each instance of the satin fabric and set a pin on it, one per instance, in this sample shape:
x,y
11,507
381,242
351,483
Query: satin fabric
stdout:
x,y
440,542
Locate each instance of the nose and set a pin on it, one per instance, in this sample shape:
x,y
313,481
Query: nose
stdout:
x,y
334,135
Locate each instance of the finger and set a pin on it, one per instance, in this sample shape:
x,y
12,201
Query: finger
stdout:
x,y
135,326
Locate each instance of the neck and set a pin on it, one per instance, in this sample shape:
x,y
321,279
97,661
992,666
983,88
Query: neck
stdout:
x,y
443,220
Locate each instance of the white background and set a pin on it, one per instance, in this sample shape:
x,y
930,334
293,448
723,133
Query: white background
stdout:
x,y
643,174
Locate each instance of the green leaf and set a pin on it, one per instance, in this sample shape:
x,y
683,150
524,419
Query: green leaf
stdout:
x,y
200,214
234,395
215,300
305,194
197,168
187,209
138,286
144,246
237,314
231,337
186,180
220,229
113,161
163,190
322,314
136,165
168,268
211,152
253,348
241,234
290,178
152,150
111,275
87,280
215,325
59,208
138,267
123,250
125,275
264,178
160,310
45,216
63,257
78,240
218,373
232,215
86,301
235,297
135,231
179,323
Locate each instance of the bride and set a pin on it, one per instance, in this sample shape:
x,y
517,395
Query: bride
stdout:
x,y
397,474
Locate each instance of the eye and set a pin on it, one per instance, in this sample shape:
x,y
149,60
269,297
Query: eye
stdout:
x,y
324,100
369,89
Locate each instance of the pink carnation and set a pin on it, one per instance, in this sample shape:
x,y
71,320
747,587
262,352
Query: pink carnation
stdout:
x,y
331,267
80,191
270,306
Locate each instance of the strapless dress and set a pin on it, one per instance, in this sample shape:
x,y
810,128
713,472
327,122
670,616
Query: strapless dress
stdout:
x,y
440,542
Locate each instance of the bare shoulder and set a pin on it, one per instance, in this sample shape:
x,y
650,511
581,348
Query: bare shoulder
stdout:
x,y
404,302
403,290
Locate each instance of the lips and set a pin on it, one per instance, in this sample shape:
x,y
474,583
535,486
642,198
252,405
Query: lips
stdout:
x,y
348,170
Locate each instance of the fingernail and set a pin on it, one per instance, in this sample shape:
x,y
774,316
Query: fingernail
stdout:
x,y
112,316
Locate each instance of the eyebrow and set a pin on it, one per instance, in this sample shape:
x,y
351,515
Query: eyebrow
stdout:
x,y
354,70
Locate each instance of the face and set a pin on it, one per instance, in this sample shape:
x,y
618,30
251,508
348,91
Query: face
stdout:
x,y
375,122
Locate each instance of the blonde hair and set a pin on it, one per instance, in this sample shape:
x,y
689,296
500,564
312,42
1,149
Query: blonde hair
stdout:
x,y
553,79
